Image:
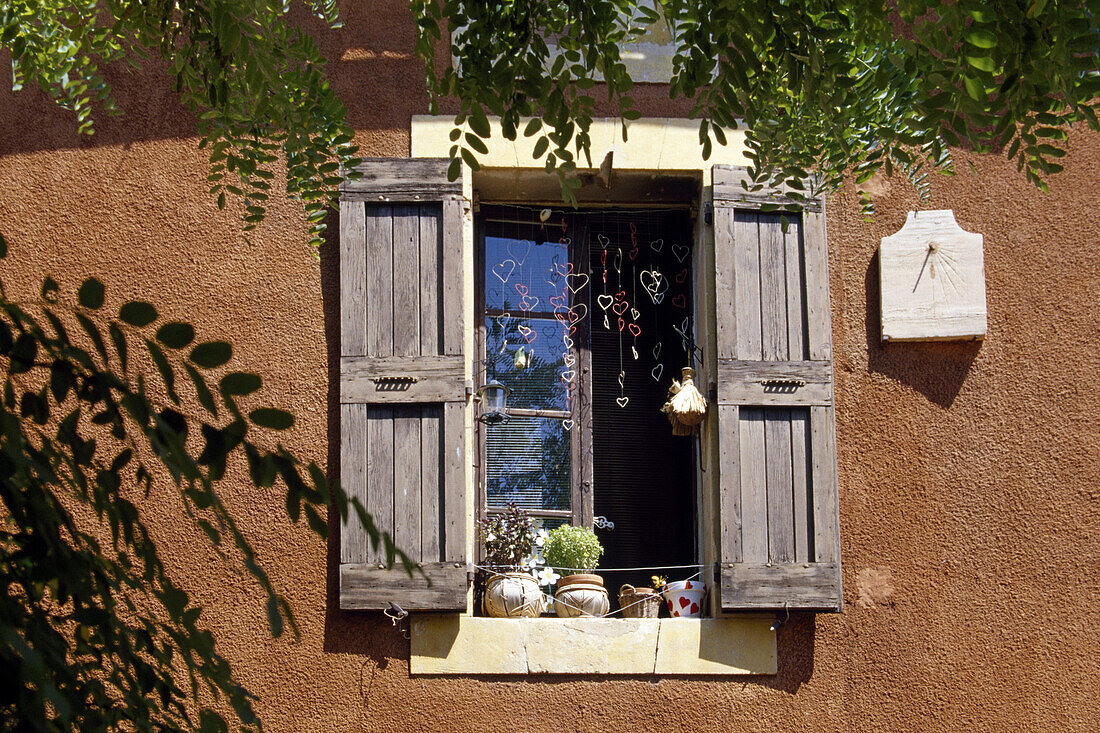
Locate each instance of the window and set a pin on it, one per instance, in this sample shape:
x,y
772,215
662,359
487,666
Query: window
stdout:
x,y
765,511
581,317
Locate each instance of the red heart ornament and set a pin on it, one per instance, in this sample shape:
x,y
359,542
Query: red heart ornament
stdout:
x,y
684,602
681,276
620,307
622,324
680,301
635,329
694,608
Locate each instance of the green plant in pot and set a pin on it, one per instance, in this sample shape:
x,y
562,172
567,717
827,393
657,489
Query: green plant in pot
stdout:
x,y
510,591
572,549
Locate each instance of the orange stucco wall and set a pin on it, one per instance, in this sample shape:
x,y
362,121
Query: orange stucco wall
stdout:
x,y
969,473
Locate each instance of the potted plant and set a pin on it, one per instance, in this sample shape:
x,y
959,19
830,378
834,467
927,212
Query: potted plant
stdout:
x,y
510,591
570,549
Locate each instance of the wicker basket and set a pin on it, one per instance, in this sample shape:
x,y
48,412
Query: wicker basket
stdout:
x,y
639,602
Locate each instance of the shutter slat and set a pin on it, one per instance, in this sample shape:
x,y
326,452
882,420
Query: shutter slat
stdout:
x,y
777,440
777,487
403,388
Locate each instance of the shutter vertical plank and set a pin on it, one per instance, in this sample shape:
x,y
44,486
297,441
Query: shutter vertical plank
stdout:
x,y
431,318
453,279
406,280
430,457
773,288
754,499
818,321
379,303
729,485
826,506
777,439
796,292
725,275
801,486
353,478
746,259
453,530
406,479
353,278
379,502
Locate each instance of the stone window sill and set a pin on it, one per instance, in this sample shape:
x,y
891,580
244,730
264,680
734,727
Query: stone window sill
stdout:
x,y
453,644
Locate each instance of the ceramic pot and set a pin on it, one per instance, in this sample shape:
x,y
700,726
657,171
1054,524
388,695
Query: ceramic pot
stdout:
x,y
512,595
581,595
685,598
639,602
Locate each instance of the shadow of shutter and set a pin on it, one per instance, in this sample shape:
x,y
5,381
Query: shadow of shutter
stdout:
x,y
779,541
402,382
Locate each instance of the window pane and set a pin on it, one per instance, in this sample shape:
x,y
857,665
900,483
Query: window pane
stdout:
x,y
523,274
528,462
537,376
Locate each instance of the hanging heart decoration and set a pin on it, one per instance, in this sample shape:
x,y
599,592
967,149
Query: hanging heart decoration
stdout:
x,y
654,283
515,247
567,424
521,289
567,341
680,301
558,301
656,372
568,359
681,276
578,313
563,270
622,324
622,401
620,307
680,252
576,281
528,302
634,352
622,380
635,313
604,301
604,241
633,254
657,245
657,350
568,376
635,329
529,334
503,270
618,263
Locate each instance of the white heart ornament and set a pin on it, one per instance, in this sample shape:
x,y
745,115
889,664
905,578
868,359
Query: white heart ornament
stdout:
x,y
576,277
656,372
680,252
503,273
622,401
604,301
567,424
569,359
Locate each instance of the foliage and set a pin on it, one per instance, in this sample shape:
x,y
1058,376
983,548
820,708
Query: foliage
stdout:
x,y
254,81
508,537
822,86
572,548
94,633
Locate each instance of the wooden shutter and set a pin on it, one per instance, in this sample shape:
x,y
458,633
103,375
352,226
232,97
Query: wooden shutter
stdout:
x,y
779,541
402,382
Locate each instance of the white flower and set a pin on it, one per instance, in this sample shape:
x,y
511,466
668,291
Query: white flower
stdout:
x,y
548,576
490,537
540,537
531,562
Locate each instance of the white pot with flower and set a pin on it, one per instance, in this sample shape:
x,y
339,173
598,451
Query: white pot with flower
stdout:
x,y
511,591
580,594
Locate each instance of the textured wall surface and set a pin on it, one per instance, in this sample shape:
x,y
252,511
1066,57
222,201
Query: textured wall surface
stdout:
x,y
969,473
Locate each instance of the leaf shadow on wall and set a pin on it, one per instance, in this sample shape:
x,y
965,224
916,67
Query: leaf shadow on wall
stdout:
x,y
369,634
936,369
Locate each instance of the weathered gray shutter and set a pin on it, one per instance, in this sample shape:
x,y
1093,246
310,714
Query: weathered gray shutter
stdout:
x,y
780,543
402,383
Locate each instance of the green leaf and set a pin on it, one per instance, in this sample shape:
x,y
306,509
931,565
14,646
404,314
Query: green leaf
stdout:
x,y
974,88
240,383
984,63
454,169
91,294
176,334
137,313
981,38
211,354
269,417
479,123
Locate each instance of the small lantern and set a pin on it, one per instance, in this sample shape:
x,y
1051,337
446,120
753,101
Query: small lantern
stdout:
x,y
494,402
